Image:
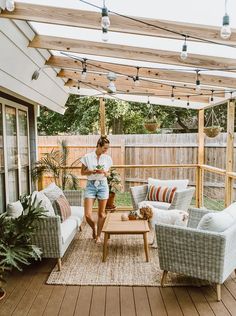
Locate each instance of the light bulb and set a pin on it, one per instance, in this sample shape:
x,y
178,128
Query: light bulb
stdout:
x,y
105,36
111,87
136,81
172,97
105,22
184,53
83,74
198,86
225,31
10,5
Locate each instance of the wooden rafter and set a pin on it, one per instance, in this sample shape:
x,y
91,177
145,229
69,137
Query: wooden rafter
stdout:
x,y
91,20
101,86
128,83
170,75
129,52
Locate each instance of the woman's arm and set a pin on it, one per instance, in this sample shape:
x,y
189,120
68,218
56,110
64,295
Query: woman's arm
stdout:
x,y
86,172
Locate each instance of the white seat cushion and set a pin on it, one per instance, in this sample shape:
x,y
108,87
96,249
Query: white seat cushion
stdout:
x,y
77,211
179,184
157,204
67,227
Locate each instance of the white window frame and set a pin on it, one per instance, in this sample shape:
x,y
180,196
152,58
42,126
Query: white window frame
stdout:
x,y
7,103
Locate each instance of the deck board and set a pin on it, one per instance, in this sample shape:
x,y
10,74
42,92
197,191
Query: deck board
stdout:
x,y
29,295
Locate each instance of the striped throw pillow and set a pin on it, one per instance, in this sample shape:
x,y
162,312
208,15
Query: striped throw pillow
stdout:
x,y
161,194
62,207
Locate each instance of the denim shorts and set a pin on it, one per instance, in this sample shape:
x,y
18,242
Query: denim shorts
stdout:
x,y
99,191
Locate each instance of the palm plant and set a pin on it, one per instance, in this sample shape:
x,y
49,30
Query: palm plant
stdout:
x,y
56,164
16,248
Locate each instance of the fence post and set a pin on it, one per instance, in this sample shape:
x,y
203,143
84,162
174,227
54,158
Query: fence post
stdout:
x,y
200,172
229,152
122,160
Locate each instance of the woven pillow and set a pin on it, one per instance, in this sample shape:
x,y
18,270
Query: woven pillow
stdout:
x,y
161,194
62,207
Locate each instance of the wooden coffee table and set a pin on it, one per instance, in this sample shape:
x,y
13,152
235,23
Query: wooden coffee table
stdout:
x,y
115,226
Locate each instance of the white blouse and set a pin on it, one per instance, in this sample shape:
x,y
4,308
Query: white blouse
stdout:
x,y
91,160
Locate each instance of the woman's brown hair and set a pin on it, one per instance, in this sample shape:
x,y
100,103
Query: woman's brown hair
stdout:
x,y
102,141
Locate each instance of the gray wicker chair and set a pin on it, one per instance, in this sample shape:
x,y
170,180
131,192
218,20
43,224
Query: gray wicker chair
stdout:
x,y
48,231
198,253
181,201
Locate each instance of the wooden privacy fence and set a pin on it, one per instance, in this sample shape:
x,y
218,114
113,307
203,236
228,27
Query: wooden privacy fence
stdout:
x,y
165,156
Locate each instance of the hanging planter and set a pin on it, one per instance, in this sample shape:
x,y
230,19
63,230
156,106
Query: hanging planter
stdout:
x,y
151,123
212,128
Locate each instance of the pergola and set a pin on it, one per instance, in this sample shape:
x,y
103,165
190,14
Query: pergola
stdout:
x,y
163,76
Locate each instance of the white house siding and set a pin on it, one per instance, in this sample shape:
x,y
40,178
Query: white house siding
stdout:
x,y
18,62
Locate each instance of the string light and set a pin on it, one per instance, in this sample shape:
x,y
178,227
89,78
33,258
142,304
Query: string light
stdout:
x,y
105,36
198,83
212,96
84,69
111,76
136,78
148,102
172,94
78,85
225,31
184,53
9,5
188,103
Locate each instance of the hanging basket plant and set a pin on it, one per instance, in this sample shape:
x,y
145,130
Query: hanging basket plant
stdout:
x,y
151,123
212,128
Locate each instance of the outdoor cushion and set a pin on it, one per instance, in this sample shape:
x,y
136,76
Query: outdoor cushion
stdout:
x,y
45,202
216,222
62,207
52,192
160,193
14,209
77,211
161,205
67,227
179,184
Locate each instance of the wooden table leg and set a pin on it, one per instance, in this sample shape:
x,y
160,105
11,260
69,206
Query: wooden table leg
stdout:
x,y
145,239
105,247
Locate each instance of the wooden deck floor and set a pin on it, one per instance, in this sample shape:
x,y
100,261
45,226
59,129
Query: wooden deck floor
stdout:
x,y
27,294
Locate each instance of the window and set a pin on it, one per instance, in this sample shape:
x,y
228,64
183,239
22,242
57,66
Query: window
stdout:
x,y
14,142
2,175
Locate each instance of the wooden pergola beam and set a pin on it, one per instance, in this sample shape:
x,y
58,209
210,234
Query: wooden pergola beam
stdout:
x,y
128,83
91,20
129,52
125,89
96,66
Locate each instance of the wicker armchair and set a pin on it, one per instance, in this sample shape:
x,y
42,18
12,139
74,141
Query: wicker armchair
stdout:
x,y
48,234
198,253
181,201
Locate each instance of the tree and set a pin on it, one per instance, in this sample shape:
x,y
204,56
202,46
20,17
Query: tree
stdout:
x,y
82,117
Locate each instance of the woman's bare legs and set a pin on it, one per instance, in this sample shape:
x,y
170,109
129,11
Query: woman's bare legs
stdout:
x,y
101,217
88,209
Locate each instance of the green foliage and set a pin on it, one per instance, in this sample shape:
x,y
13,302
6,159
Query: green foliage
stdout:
x,y
54,164
114,181
82,117
16,248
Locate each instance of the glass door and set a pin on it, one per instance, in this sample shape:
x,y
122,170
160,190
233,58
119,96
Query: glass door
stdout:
x,y
2,168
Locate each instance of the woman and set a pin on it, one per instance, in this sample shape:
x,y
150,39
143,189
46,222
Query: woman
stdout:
x,y
95,166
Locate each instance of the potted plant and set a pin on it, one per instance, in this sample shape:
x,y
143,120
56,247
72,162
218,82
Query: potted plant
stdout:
x,y
56,164
133,215
16,248
212,128
152,124
114,184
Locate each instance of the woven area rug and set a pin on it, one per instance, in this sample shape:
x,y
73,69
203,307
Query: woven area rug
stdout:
x,y
125,265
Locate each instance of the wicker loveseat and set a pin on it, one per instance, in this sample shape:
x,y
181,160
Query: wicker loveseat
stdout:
x,y
54,237
202,254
